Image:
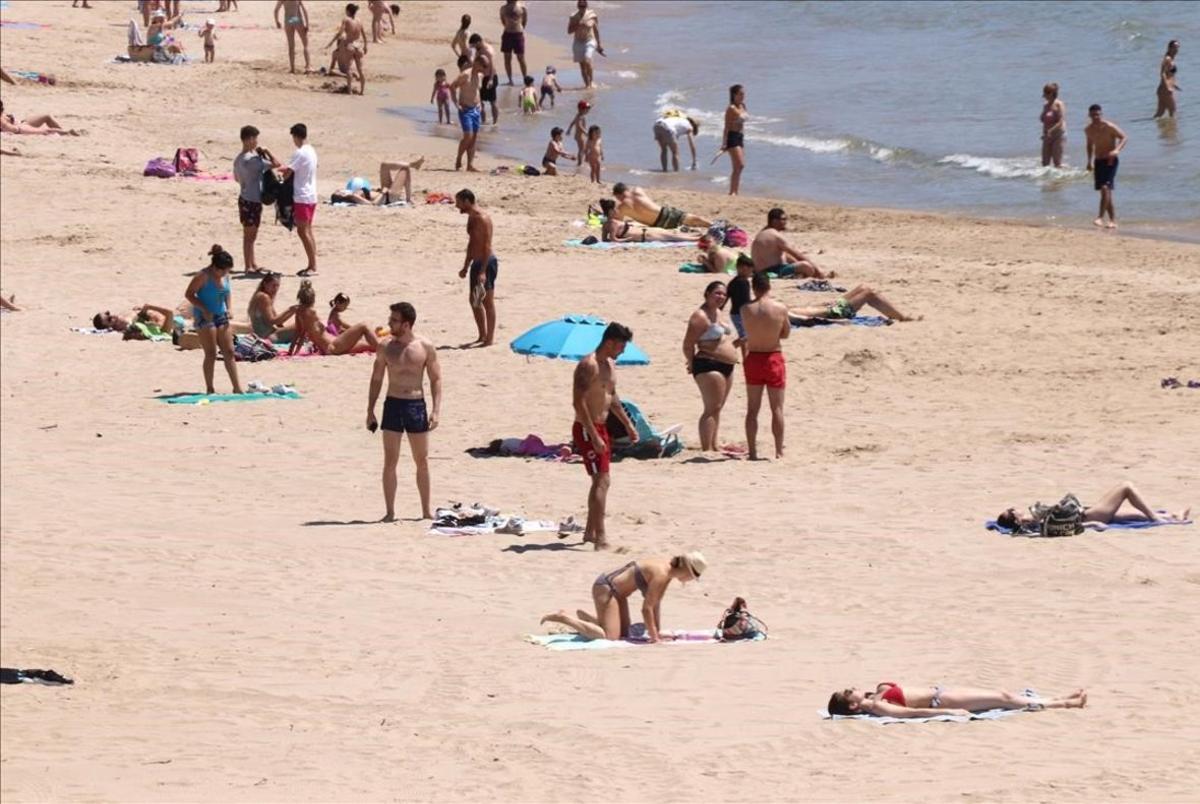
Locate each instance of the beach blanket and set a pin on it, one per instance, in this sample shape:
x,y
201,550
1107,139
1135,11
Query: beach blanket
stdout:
x,y
577,642
492,524
281,350
1120,523
94,331
990,714
600,244
206,399
857,321
531,446
698,268
22,26
348,204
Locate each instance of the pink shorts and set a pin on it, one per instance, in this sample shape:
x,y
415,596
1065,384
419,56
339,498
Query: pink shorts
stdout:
x,y
304,213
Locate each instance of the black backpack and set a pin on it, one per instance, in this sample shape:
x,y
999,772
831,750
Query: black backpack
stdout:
x,y
1065,518
738,623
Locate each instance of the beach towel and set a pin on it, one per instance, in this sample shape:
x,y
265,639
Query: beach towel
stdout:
x,y
492,525
600,244
698,268
94,331
398,203
1121,523
31,75
857,321
990,714
11,675
206,399
531,446
819,286
707,636
22,26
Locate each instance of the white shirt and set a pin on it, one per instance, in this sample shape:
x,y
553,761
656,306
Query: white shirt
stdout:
x,y
304,183
678,126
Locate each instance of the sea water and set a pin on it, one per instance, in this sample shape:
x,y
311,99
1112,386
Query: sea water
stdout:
x,y
917,105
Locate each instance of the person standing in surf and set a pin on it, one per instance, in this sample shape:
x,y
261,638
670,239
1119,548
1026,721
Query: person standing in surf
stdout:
x,y
1104,143
733,138
1054,126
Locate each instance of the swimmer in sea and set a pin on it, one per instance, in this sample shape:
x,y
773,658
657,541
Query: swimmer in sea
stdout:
x,y
733,138
1166,81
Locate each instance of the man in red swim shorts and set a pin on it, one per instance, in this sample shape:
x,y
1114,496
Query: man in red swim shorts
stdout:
x,y
766,323
594,397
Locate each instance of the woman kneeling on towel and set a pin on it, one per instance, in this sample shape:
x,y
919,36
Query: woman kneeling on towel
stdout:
x,y
890,700
619,231
612,590
1101,514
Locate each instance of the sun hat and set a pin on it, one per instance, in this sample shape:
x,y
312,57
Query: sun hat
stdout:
x,y
210,22
694,561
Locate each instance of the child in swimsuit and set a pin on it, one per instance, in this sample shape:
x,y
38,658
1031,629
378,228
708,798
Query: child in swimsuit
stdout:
x,y
441,92
594,152
554,150
528,99
549,87
209,35
579,125
337,305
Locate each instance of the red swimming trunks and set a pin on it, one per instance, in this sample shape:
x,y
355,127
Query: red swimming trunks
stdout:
x,y
766,368
304,213
596,458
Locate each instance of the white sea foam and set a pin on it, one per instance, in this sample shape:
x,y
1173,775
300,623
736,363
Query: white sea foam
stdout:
x,y
1017,167
625,74
720,179
817,146
672,97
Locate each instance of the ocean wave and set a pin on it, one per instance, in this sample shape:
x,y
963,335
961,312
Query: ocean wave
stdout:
x,y
817,146
672,97
625,74
1017,167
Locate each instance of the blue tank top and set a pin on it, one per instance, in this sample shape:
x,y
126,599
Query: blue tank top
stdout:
x,y
214,297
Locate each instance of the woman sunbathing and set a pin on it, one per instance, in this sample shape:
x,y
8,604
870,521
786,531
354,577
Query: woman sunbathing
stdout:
x,y
890,700
309,327
42,124
611,592
264,321
140,324
618,231
1096,516
847,307
717,259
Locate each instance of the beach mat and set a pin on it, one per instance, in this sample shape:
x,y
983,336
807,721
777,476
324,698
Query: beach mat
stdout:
x,y
698,268
578,243
527,526
578,642
94,331
22,26
857,321
207,399
1120,523
819,286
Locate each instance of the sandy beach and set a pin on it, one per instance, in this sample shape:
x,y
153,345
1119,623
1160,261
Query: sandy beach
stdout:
x,y
240,630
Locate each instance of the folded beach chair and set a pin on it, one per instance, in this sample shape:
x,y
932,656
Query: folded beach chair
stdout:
x,y
651,443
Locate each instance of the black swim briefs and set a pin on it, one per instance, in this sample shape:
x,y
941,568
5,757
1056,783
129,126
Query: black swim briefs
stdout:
x,y
405,415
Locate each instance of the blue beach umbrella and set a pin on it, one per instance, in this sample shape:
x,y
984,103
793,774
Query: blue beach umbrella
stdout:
x,y
573,337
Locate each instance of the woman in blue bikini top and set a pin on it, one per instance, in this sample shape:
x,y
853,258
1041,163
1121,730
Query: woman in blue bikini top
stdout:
x,y
611,592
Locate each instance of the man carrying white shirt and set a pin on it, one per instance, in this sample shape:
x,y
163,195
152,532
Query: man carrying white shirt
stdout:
x,y
667,131
303,168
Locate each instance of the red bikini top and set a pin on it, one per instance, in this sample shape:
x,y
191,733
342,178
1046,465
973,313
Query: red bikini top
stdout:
x,y
893,694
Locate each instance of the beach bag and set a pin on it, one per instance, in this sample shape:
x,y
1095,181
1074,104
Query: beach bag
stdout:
x,y
252,349
1063,519
271,186
187,160
716,230
738,623
736,237
160,168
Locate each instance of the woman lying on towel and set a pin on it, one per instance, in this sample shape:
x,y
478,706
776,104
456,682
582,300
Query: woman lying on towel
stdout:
x,y
891,700
618,231
42,124
717,259
612,590
847,307
140,323
309,327
1095,516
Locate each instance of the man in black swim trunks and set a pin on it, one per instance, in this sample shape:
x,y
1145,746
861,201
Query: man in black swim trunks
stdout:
x,y
1104,142
406,358
482,266
485,66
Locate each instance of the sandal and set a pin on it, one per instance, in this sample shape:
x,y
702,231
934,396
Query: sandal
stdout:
x,y
307,272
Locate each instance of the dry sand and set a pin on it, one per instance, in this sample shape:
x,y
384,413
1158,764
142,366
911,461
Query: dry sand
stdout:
x,y
236,635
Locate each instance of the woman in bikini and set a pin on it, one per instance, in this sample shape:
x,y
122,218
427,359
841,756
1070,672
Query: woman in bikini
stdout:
x,y
618,231
334,325
140,323
1054,126
891,700
711,352
1166,81
733,139
847,307
211,298
264,321
1096,516
42,124
295,23
612,590
309,327
717,258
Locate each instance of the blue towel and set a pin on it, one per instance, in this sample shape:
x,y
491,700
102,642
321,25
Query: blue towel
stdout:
x,y
602,245
197,399
578,642
857,321
1121,523
990,714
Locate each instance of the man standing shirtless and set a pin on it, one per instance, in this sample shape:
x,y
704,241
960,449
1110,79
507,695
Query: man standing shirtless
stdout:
x,y
584,24
634,204
295,17
467,87
1104,142
485,65
594,397
766,322
514,17
482,265
772,252
406,358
